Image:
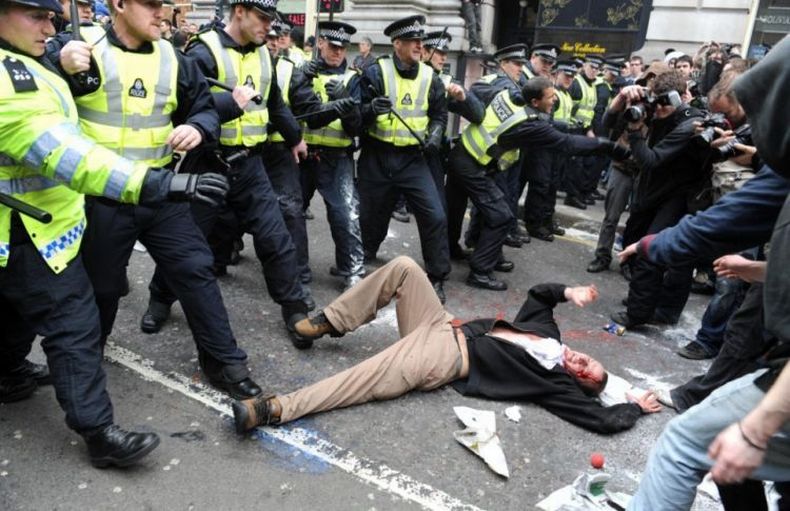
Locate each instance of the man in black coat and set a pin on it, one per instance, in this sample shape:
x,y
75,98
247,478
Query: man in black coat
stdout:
x,y
519,361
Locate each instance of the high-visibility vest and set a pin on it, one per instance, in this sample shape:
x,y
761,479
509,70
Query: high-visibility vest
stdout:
x,y
285,70
235,69
564,111
297,56
410,99
333,134
501,115
130,112
585,107
41,149
489,78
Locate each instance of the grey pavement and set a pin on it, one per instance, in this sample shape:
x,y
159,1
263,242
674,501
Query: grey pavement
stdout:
x,y
398,454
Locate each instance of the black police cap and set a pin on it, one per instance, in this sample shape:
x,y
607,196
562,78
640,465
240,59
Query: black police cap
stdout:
x,y
516,52
412,27
439,40
47,5
336,33
546,51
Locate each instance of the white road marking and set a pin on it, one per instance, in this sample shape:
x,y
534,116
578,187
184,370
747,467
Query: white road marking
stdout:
x,y
379,475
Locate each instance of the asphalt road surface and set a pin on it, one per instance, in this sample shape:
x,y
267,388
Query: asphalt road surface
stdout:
x,y
399,454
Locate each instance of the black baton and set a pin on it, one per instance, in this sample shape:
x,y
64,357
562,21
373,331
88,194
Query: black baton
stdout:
x,y
258,99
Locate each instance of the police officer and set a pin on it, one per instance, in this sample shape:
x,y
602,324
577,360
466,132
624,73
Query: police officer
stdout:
x,y
146,100
510,75
284,173
392,161
542,60
44,289
495,143
466,104
62,21
236,56
604,92
329,167
578,174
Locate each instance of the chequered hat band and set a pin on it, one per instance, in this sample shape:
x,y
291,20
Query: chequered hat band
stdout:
x,y
408,29
336,35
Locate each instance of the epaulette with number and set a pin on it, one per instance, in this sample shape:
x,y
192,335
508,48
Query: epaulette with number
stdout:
x,y
21,78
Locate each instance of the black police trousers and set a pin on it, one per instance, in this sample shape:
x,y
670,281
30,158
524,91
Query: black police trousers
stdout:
x,y
253,200
283,173
494,213
386,171
539,169
181,254
655,288
61,308
331,172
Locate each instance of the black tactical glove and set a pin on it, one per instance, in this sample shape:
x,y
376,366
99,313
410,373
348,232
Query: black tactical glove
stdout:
x,y
433,141
209,188
616,151
381,105
344,107
336,90
311,68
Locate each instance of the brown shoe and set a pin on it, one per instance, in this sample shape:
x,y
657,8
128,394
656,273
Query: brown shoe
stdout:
x,y
315,327
251,413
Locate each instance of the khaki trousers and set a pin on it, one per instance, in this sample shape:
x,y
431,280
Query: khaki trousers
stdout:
x,y
426,357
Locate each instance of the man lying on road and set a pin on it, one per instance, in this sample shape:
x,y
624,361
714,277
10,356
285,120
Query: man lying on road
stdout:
x,y
519,361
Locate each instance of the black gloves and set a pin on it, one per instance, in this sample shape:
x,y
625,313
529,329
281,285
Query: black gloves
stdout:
x,y
336,90
311,69
209,188
433,142
344,107
381,105
616,151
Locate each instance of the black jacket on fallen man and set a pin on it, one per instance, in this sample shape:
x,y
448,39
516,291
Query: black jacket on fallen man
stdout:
x,y
504,371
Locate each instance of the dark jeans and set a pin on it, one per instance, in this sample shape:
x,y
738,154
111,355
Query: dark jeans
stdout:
x,y
727,298
384,173
332,174
62,309
618,191
489,200
744,342
653,287
182,257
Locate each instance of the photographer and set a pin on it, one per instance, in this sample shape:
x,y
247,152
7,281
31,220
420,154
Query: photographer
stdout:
x,y
621,178
672,171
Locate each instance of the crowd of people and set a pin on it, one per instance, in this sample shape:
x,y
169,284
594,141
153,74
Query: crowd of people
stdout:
x,y
188,138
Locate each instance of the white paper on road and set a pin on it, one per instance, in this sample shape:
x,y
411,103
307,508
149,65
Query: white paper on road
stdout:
x,y
513,413
573,497
480,437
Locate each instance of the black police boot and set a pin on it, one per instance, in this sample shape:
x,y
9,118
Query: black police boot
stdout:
x,y
512,240
438,288
504,266
14,388
233,379
557,229
28,369
309,301
485,281
622,318
598,265
542,233
154,317
589,201
574,202
112,445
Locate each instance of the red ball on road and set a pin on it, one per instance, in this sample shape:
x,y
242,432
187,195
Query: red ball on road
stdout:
x,y
596,460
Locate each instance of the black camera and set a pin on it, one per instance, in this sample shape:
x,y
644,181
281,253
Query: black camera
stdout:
x,y
709,125
636,112
743,135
